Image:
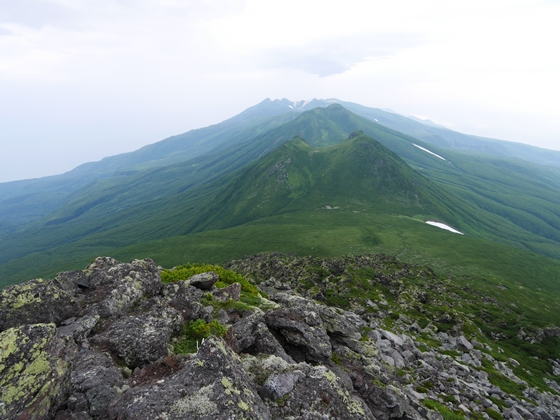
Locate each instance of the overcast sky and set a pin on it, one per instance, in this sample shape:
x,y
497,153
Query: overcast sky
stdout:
x,y
82,79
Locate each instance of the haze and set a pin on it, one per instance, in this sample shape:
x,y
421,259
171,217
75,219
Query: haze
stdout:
x,y
81,80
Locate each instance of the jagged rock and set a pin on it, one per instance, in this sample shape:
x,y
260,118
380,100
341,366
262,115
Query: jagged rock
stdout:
x,y
203,281
213,384
542,414
34,371
464,344
393,338
79,328
320,394
303,332
138,340
253,337
233,292
279,384
127,284
36,301
399,361
341,327
95,383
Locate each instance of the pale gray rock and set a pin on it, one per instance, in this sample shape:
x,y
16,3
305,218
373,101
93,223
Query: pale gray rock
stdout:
x,y
79,328
399,361
279,384
203,281
464,344
231,292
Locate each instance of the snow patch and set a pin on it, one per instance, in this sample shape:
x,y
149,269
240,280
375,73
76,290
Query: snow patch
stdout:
x,y
444,226
426,150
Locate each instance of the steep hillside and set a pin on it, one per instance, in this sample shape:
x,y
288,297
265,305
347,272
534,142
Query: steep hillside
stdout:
x,y
22,202
446,138
356,174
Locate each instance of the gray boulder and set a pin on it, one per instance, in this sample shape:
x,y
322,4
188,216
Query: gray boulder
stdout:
x,y
304,334
36,301
139,340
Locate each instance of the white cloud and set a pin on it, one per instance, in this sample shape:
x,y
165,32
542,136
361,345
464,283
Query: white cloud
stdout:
x,y
109,76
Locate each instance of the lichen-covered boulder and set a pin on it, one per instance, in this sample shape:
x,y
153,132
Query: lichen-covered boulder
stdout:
x,y
185,299
79,328
301,391
114,288
36,301
212,385
342,326
253,336
34,371
139,340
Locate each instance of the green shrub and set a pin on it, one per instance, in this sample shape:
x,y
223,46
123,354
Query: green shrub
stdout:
x,y
446,413
194,332
227,277
493,414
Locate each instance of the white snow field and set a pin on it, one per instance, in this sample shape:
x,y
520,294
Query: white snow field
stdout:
x,y
444,226
430,152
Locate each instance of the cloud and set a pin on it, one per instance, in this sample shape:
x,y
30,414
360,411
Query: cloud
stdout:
x,y
330,56
37,13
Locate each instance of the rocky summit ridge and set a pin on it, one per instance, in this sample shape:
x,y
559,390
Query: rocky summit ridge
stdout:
x,y
114,341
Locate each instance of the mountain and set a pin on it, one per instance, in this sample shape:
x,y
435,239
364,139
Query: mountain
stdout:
x,y
352,175
446,138
490,198
22,202
343,302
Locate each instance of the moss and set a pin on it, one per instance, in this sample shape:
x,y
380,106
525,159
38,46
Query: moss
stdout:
x,y
199,403
8,343
352,405
330,376
230,389
243,405
31,375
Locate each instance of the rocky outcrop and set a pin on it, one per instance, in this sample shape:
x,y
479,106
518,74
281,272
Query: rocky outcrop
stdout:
x,y
106,343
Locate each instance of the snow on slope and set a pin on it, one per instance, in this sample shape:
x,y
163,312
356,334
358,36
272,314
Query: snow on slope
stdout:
x,y
444,226
426,150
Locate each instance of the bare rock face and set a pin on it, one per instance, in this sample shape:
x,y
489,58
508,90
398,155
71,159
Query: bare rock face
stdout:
x,y
95,381
213,384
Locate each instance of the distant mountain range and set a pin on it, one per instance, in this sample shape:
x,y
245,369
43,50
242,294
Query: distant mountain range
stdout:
x,y
324,164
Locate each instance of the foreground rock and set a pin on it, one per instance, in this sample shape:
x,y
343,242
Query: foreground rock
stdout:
x,y
99,344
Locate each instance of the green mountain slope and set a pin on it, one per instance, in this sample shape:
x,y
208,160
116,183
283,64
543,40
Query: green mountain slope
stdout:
x,y
497,199
446,138
354,175
22,202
